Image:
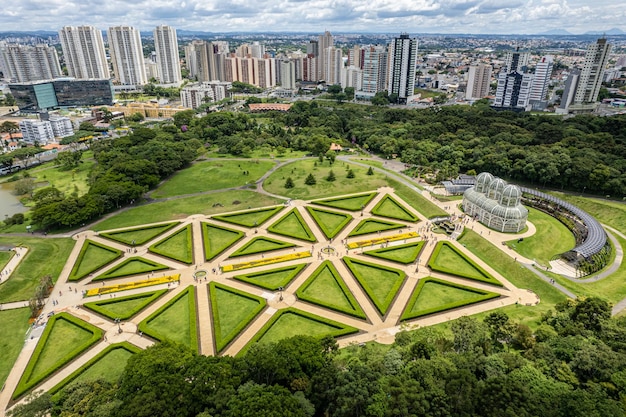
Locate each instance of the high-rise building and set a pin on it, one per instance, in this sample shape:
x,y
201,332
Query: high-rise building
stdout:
x,y
324,42
374,70
167,57
83,52
355,57
541,80
590,80
517,61
62,92
333,64
30,63
195,95
513,91
127,55
402,60
478,82
288,74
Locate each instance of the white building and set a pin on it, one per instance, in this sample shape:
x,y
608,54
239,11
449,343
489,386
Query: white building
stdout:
x,y
127,55
513,90
402,59
30,63
324,42
478,82
37,131
167,58
538,95
84,53
61,126
590,80
374,69
333,64
352,77
517,61
193,96
288,75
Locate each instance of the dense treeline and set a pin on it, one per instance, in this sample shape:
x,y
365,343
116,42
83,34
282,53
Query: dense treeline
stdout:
x,y
125,169
574,364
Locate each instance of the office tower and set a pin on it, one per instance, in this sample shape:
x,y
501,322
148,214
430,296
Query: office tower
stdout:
x,y
83,51
127,55
374,69
590,80
402,60
333,64
288,74
167,58
478,81
541,80
513,90
517,61
30,63
62,92
324,42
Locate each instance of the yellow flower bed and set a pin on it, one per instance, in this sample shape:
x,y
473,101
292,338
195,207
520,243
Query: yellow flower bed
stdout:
x,y
266,261
378,240
132,285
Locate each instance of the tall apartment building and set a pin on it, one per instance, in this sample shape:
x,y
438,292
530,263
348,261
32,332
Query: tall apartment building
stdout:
x,y
355,57
30,63
478,82
84,53
127,55
288,74
541,80
517,61
352,76
374,70
324,42
590,80
402,60
513,91
167,57
61,126
333,65
193,96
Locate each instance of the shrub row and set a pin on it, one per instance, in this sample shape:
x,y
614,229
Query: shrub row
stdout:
x,y
266,261
408,315
113,235
244,250
222,341
228,218
99,306
154,266
255,278
378,240
409,216
73,274
383,226
323,227
432,264
275,228
382,253
332,202
132,285
210,255
176,256
26,384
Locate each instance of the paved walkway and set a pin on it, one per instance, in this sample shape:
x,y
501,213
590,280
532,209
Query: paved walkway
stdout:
x,y
7,272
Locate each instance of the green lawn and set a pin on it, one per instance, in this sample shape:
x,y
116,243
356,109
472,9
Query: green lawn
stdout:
x,y
213,175
183,207
329,222
299,170
272,279
259,245
352,203
13,324
5,257
368,226
178,246
552,238
217,239
92,257
293,225
109,368
139,235
124,307
251,218
25,278
448,259
68,182
390,207
404,254
131,266
416,200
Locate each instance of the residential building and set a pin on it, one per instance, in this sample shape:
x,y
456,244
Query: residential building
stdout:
x,y
167,57
538,95
590,81
61,126
402,59
324,42
517,61
84,53
127,55
30,63
355,56
513,91
36,131
478,82
352,77
374,70
333,62
288,74
195,95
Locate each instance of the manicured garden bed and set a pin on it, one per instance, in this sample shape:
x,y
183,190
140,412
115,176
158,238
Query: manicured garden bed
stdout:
x,y
131,266
64,338
139,235
368,226
250,218
175,320
380,240
326,288
108,289
126,307
231,310
448,259
380,283
92,256
178,246
261,244
14,324
393,209
293,225
351,203
404,254
329,222
273,279
434,295
266,261
217,239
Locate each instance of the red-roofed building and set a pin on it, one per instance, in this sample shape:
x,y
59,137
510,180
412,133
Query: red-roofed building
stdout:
x,y
259,107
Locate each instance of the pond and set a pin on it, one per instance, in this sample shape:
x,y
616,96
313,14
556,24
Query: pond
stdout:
x,y
9,203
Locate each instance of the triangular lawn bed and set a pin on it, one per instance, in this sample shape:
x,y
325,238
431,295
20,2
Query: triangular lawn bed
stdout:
x,y
273,279
368,226
217,239
175,320
326,288
178,246
404,254
250,218
131,266
293,322
380,283
261,244
448,259
393,209
329,222
138,235
92,256
434,295
64,338
231,310
293,225
124,308
350,203
109,365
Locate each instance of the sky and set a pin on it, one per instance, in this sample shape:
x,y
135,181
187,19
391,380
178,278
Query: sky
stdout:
x,y
384,16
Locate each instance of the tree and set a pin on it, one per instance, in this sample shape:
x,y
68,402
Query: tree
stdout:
x,y
310,180
136,117
350,174
37,404
331,156
334,89
331,176
370,171
24,186
10,128
289,183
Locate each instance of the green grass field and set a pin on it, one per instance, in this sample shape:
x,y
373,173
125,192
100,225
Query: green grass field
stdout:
x,y
351,203
124,307
213,175
174,321
5,257
552,238
416,200
139,235
217,239
109,368
390,207
131,266
448,259
329,222
404,254
259,245
68,182
178,246
25,278
251,218
272,279
180,208
92,257
368,226
13,324
608,212
293,225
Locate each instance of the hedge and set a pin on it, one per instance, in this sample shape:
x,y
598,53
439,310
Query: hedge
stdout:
x,y
409,216
193,322
228,218
332,202
384,226
165,227
310,237
189,244
244,250
208,255
111,273
122,345
98,306
222,342
329,233
26,384
250,278
433,258
81,255
407,315
382,253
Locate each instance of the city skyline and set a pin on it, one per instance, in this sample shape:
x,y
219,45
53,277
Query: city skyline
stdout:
x,y
377,16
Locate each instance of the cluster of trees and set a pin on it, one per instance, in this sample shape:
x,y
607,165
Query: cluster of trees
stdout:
x,y
574,364
125,169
